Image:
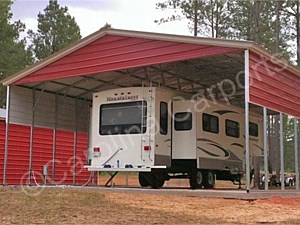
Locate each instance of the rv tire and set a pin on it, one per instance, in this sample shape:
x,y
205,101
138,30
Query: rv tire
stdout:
x,y
144,179
209,179
196,179
157,181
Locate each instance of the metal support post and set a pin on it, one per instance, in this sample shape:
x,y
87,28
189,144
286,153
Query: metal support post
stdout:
x,y
31,137
75,141
266,149
57,107
34,105
247,156
6,134
296,153
54,141
88,127
281,153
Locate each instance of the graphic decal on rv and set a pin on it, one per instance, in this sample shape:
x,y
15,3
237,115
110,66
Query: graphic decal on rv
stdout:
x,y
226,153
216,149
122,98
223,112
206,140
237,144
208,153
251,138
259,147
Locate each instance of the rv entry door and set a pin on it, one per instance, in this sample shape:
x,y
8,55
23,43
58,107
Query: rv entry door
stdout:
x,y
184,130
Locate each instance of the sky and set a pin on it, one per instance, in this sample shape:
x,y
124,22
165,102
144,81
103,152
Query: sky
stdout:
x,y
91,15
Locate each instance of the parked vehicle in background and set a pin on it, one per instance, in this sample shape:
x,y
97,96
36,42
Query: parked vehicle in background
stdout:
x,y
289,180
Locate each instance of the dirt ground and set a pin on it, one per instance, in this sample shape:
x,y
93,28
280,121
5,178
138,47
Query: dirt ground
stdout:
x,y
70,206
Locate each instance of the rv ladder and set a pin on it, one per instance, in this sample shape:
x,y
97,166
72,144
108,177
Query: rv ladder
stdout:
x,y
142,122
146,121
150,119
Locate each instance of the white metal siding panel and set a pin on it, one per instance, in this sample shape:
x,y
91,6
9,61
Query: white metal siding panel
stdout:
x,y
22,103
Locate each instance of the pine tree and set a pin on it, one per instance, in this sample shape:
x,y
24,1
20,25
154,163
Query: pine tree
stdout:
x,y
262,22
206,17
56,30
13,53
292,13
255,20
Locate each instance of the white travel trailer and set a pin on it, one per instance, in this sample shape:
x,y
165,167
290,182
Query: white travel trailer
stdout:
x,y
162,136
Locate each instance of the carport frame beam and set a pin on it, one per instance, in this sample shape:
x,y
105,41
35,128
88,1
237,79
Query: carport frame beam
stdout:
x,y
54,139
34,105
31,136
6,133
296,152
265,114
281,153
247,155
75,142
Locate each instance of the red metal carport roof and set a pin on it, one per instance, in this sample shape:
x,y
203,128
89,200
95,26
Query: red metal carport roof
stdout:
x,y
108,50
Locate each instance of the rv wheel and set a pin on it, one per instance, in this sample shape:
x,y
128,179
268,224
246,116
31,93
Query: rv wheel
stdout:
x,y
209,180
157,181
196,179
144,179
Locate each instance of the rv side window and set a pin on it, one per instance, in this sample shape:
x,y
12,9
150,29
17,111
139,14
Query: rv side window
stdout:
x,y
232,128
163,118
210,123
183,121
253,129
123,118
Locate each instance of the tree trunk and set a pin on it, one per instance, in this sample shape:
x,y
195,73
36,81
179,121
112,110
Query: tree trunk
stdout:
x,y
298,32
196,18
277,28
217,26
212,19
257,9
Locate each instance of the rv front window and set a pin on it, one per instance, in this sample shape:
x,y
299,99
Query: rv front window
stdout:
x,y
123,118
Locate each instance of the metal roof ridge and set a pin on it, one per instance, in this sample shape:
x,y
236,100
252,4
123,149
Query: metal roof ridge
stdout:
x,y
183,38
